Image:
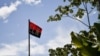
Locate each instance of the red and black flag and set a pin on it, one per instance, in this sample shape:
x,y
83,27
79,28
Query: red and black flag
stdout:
x,y
34,29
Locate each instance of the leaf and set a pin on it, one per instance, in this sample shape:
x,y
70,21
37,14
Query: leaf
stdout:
x,y
64,0
84,52
62,10
67,8
58,8
83,39
86,1
69,0
98,16
80,16
76,41
58,17
94,3
71,11
85,43
84,33
99,48
80,13
50,18
97,25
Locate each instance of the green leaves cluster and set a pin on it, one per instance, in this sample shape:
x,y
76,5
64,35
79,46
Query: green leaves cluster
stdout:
x,y
64,51
76,8
83,44
87,42
80,13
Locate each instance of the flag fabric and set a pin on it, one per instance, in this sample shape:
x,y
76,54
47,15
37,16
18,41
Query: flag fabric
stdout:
x,y
34,29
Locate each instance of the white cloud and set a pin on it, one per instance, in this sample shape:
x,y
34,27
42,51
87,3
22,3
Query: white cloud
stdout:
x,y
16,49
8,50
35,2
5,11
39,49
62,38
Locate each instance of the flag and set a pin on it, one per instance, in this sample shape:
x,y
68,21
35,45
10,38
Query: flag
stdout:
x,y
34,29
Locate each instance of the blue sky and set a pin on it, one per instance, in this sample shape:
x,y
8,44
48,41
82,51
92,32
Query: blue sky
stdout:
x,y
14,15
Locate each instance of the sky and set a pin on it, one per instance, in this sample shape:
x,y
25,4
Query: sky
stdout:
x,y
14,16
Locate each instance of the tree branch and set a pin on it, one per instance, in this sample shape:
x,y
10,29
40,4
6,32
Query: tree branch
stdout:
x,y
85,6
78,20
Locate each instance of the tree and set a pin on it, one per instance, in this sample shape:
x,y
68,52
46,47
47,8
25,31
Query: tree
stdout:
x,y
76,9
84,43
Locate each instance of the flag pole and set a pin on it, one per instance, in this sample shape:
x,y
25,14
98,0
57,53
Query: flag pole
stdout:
x,y
28,38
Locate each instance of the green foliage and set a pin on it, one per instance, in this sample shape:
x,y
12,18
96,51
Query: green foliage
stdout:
x,y
83,44
76,8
